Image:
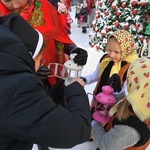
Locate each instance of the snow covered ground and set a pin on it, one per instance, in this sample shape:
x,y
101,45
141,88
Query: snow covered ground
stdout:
x,y
93,58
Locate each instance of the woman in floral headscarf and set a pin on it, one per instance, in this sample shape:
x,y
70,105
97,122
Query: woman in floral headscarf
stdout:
x,y
129,128
112,68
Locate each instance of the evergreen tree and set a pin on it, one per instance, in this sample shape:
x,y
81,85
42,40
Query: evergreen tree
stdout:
x,y
118,14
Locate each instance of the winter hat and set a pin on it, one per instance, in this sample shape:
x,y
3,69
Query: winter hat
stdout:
x,y
32,39
138,86
126,42
128,51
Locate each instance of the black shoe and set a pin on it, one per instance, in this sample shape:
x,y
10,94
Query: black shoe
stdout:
x,y
84,30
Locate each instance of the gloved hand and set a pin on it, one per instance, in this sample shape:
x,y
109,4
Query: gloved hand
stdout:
x,y
115,82
43,72
81,57
84,79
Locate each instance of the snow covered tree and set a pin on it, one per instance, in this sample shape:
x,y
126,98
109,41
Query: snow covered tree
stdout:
x,y
118,14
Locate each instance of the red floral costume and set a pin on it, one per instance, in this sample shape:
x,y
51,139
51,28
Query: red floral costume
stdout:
x,y
45,18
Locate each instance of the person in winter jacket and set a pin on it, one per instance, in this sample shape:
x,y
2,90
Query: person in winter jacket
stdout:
x,y
129,127
144,52
65,17
42,15
77,14
28,112
113,66
84,16
91,11
146,18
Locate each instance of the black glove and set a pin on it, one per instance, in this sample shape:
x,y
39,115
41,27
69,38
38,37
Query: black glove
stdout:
x,y
81,57
56,92
84,79
115,82
43,72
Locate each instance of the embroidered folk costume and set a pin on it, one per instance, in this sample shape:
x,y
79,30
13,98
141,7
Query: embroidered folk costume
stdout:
x,y
45,18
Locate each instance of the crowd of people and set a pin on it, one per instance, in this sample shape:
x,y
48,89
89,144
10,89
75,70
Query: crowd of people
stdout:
x,y
84,14
46,112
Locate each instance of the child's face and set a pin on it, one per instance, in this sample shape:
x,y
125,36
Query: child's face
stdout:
x,y
14,5
147,18
147,15
64,10
84,5
113,49
78,8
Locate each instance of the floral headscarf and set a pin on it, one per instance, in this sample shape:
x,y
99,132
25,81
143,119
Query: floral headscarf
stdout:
x,y
138,86
128,51
126,42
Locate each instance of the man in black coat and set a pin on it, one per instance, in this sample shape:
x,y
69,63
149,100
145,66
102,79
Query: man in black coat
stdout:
x,y
28,114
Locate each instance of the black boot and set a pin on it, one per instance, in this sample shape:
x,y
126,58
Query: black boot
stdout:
x,y
84,30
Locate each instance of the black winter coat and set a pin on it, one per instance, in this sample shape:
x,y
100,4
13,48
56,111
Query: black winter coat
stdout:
x,y
84,12
27,114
